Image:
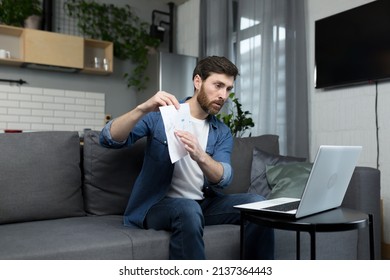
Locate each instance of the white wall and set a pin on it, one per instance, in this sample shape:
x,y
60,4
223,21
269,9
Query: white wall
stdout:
x,y
346,116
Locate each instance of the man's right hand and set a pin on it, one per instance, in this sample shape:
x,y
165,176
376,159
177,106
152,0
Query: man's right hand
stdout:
x,y
161,98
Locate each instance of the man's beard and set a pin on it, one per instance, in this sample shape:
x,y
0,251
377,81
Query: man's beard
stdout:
x,y
209,106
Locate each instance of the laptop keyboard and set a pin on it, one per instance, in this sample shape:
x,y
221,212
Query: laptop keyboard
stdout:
x,y
284,207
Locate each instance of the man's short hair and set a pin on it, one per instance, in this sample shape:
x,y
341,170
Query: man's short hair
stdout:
x,y
215,64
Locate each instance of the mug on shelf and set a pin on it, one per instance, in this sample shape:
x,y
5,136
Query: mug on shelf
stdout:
x,y
5,53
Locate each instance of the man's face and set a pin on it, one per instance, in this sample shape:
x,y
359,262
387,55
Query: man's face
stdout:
x,y
214,91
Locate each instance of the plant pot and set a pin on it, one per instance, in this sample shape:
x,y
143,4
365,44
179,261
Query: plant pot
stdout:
x,y
33,22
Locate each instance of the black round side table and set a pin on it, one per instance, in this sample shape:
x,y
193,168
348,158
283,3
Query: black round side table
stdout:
x,y
339,219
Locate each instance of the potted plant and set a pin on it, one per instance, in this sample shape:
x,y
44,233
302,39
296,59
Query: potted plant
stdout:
x,y
237,120
16,12
121,26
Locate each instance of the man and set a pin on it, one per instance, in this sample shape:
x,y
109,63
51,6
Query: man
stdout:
x,y
180,197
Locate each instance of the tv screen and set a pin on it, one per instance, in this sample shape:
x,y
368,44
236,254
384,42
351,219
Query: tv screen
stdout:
x,y
353,46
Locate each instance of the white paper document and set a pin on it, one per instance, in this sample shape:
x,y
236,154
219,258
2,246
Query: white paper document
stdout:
x,y
176,120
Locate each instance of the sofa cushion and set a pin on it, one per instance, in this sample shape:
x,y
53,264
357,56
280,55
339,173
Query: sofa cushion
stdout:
x,y
261,158
104,238
109,175
287,180
40,176
242,159
87,238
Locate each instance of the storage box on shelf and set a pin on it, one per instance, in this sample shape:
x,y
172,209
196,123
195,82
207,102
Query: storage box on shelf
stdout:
x,y
48,48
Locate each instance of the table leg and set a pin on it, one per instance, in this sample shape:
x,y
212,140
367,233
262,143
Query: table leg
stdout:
x,y
242,238
371,236
313,245
298,245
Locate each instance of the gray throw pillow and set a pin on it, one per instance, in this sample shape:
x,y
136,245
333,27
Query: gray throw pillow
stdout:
x,y
260,161
288,180
40,176
242,159
109,175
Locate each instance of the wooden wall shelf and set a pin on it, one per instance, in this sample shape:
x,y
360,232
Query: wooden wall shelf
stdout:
x,y
100,50
12,40
30,46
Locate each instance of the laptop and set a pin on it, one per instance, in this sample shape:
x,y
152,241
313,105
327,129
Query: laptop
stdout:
x,y
325,188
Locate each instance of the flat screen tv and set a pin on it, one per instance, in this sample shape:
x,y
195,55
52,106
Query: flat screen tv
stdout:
x,y
353,47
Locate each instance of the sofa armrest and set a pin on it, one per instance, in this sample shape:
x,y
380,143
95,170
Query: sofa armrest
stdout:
x,y
364,194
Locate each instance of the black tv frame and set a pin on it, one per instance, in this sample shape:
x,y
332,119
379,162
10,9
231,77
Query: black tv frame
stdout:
x,y
351,47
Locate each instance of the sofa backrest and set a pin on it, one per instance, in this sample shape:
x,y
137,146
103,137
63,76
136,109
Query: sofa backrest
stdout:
x,y
40,176
109,174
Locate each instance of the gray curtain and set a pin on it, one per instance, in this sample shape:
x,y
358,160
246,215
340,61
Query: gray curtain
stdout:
x,y
216,28
268,44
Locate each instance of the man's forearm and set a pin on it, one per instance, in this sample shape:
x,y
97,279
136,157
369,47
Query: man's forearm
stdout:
x,y
123,125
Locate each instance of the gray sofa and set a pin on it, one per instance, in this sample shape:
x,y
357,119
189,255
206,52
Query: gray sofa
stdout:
x,y
63,200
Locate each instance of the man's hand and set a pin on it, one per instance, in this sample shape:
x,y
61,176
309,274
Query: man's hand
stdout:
x,y
192,145
212,170
161,98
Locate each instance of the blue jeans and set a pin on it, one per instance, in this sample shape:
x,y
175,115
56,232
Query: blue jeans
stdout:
x,y
186,218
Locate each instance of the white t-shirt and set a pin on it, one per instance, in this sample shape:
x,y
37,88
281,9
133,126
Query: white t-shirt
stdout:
x,y
187,179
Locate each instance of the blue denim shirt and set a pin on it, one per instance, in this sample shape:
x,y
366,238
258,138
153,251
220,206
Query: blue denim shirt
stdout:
x,y
155,177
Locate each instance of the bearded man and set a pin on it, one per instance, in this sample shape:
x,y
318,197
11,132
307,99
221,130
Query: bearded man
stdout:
x,y
182,197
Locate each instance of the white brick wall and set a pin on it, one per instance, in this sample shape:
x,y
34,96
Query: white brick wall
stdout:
x,y
34,109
